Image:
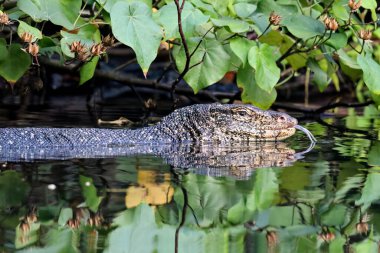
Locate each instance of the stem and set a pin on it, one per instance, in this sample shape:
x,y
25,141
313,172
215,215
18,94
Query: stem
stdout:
x,y
185,46
76,20
288,52
307,80
183,218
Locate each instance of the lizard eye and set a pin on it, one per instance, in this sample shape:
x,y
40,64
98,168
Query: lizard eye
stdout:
x,y
242,113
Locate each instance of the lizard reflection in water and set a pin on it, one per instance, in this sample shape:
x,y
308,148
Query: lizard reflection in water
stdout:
x,y
201,133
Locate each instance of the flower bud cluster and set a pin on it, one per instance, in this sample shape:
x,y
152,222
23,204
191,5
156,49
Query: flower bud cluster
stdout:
x,y
85,53
331,23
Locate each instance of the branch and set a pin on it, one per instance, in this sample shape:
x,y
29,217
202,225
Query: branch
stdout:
x,y
130,80
322,108
183,39
288,52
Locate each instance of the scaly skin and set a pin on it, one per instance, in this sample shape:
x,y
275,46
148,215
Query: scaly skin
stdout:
x,y
213,138
207,123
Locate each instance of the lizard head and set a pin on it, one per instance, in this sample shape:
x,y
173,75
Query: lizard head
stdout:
x,y
246,122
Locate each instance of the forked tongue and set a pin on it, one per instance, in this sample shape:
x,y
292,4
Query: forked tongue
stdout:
x,y
311,137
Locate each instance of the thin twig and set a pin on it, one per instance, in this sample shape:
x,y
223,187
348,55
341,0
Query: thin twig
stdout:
x,y
125,64
185,46
288,52
200,42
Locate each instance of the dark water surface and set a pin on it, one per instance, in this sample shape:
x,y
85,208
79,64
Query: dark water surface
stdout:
x,y
327,201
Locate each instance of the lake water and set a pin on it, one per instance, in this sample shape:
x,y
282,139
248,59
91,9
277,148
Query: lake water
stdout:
x,y
327,201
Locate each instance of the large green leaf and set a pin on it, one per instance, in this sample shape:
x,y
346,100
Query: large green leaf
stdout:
x,y
371,72
191,18
132,24
234,25
371,189
210,63
265,190
59,12
341,10
221,6
337,40
303,27
244,10
263,60
3,49
207,198
320,77
284,42
108,4
369,4
335,216
374,154
88,69
89,193
240,47
141,221
59,241
13,189
252,93
25,28
15,64
366,246
65,215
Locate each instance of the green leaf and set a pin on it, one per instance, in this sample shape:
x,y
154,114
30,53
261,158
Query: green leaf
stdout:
x,y
371,72
284,42
265,190
341,10
371,189
25,28
89,193
211,60
263,61
237,213
244,10
241,46
221,6
65,215
132,24
320,77
49,46
368,245
336,216
234,25
13,189
347,60
369,4
59,241
108,4
337,40
191,18
142,223
3,49
303,27
16,64
88,69
207,9
374,154
252,93
59,12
